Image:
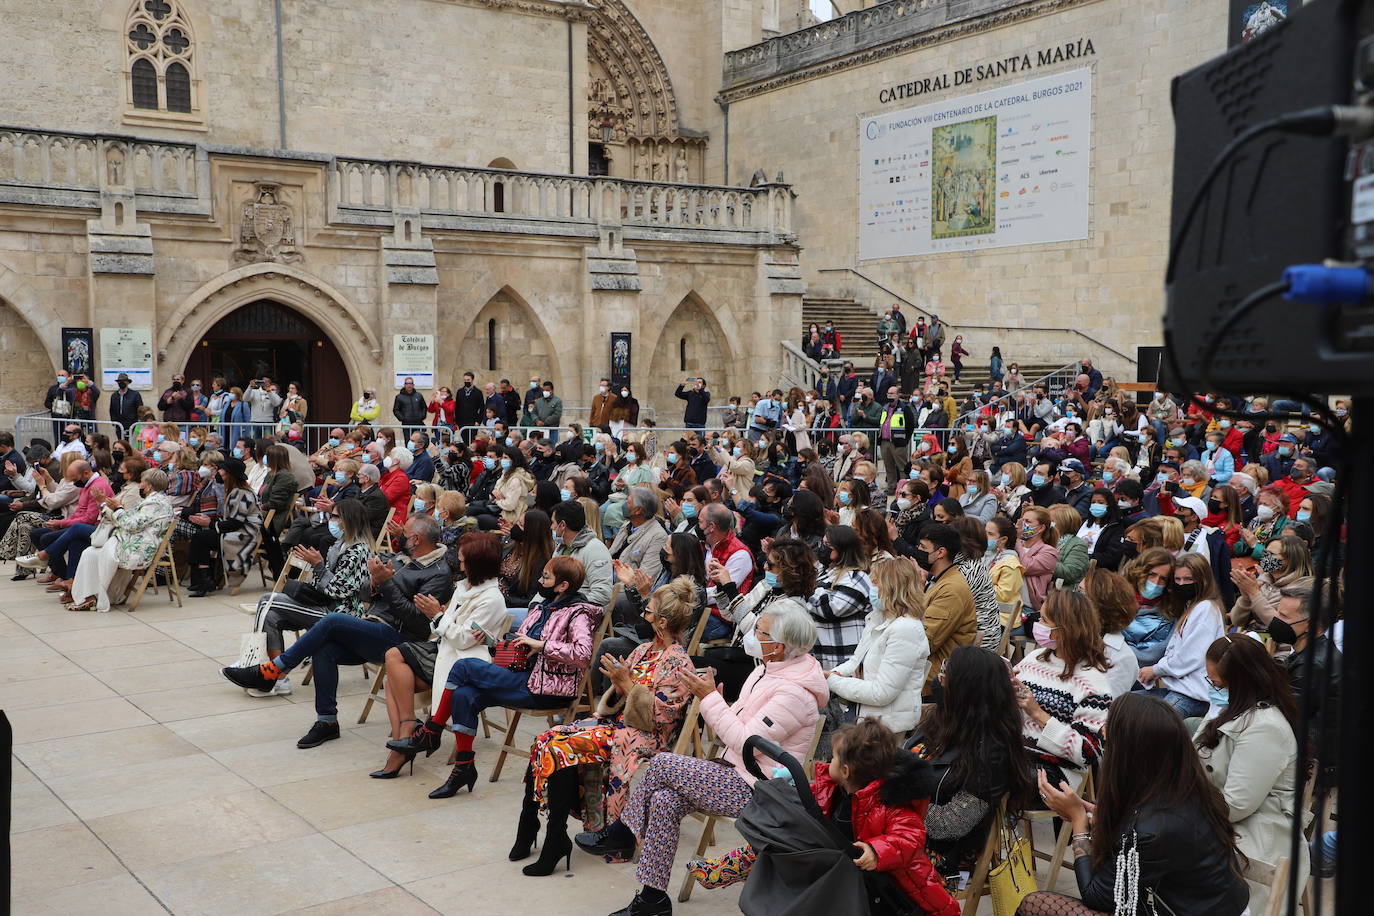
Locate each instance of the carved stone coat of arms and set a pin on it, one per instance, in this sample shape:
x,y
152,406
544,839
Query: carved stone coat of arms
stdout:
x,y
268,231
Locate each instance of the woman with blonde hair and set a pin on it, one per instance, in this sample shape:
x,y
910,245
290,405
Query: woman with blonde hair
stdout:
x,y
1037,548
883,678
1011,487
1072,563
1196,606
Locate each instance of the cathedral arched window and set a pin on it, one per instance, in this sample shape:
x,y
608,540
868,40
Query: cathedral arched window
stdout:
x,y
160,59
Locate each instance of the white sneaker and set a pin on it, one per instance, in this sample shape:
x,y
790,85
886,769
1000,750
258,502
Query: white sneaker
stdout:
x,y
32,561
282,688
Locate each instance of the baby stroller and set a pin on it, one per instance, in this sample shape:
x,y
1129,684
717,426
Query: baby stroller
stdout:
x,y
804,864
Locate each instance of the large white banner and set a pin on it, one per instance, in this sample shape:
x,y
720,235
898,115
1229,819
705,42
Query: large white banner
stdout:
x,y
1003,167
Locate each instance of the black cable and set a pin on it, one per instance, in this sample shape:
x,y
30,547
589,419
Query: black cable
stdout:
x,y
1242,308
1315,121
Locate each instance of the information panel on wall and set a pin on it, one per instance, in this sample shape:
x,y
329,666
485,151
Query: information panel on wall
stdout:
x,y
128,351
412,356
1003,167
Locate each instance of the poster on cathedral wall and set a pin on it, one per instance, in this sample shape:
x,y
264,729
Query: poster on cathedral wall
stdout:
x,y
412,356
128,351
1005,167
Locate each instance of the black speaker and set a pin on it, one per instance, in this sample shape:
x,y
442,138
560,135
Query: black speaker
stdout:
x,y
1281,201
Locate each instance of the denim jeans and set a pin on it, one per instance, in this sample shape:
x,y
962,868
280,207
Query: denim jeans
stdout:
x,y
478,684
338,639
1187,706
64,551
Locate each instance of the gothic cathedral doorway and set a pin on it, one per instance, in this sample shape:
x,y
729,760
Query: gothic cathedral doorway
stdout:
x,y
268,338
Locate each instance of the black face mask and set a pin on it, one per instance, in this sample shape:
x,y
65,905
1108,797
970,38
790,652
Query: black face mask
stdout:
x,y
517,534
548,592
666,559
1186,593
1282,631
176,386
123,385
923,559
467,384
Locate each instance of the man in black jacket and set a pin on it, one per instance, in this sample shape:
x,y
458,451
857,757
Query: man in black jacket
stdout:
x,y
124,404
1294,624
1044,492
469,409
694,415
372,497
409,407
398,614
1078,490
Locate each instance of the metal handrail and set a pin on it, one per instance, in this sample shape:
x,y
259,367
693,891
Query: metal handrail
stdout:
x,y
977,327
1006,396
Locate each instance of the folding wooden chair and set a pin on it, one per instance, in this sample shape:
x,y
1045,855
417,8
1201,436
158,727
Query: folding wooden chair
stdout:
x,y
708,830
1061,843
1276,877
973,892
580,701
162,559
384,539
378,694
694,646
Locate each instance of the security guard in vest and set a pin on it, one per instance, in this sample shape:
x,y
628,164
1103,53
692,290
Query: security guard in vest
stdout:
x,y
894,435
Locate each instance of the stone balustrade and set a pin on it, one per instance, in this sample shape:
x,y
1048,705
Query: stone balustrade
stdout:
x,y
359,186
73,170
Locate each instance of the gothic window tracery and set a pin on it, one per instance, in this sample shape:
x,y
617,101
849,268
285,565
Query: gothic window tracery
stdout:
x,y
160,62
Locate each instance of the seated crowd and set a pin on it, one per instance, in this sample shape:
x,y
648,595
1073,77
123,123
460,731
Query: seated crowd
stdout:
x,y
1054,596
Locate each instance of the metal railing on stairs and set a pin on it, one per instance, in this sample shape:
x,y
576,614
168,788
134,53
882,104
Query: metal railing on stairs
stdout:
x,y
1069,333
1056,383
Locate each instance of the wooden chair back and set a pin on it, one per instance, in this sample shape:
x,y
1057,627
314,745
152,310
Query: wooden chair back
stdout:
x,y
694,645
161,559
972,893
384,539
1275,877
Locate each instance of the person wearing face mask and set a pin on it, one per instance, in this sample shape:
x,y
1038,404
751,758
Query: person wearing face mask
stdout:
x,y
125,402
72,440
602,403
1045,491
56,538
778,702
406,590
421,468
395,481
1194,603
950,616
513,491
573,537
60,401
134,537
1294,624
443,408
1285,560
1103,531
235,416
470,402
228,538
546,411
1280,460
1036,546
1063,690
205,499
625,413
558,633
1248,746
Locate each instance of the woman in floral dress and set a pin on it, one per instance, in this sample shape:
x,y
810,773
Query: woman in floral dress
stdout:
x,y
636,718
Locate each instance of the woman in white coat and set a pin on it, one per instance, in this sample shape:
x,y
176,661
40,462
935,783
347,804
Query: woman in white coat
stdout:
x,y
893,652
1248,749
475,616
134,537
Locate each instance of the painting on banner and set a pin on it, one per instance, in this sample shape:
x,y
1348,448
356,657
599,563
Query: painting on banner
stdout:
x,y
1004,167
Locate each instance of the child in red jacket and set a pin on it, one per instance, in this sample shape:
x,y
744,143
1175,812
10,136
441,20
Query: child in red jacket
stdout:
x,y
878,794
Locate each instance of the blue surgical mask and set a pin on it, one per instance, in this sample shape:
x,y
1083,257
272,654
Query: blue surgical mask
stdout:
x,y
1285,451
510,442
844,498
968,427
1302,516
367,457
1161,478
600,446
565,495
1219,697
1006,480
421,505
333,442
505,464
672,458
238,453
193,441
161,437
953,449
770,578
992,545
415,446
1037,480
1108,477
913,474
339,476
738,451
1097,510
689,510
1152,590
335,529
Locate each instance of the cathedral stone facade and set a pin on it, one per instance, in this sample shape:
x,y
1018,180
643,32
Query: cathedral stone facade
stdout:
x,y
294,186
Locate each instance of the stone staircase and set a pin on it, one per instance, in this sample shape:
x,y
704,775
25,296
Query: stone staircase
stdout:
x,y
858,328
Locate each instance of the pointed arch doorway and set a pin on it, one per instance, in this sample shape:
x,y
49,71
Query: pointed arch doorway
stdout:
x,y
265,337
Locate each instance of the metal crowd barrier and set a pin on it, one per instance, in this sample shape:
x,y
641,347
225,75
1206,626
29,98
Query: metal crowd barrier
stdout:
x,y
43,425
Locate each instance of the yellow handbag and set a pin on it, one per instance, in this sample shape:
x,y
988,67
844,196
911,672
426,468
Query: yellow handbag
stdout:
x,y
1012,878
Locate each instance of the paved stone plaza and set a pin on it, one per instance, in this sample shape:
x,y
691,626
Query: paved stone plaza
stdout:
x,y
145,783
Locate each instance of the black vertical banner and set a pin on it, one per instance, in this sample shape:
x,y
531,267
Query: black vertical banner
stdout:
x,y
620,358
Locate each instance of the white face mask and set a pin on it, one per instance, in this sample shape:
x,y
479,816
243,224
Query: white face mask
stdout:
x,y
603,389
205,471
751,645
1264,513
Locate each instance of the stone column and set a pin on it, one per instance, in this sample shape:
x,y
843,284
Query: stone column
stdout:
x,y
122,275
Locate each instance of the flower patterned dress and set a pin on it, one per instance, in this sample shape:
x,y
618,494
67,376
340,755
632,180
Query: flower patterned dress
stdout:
x,y
614,744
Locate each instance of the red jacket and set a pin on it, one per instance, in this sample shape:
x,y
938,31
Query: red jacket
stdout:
x,y
889,815
1235,444
396,485
1297,492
